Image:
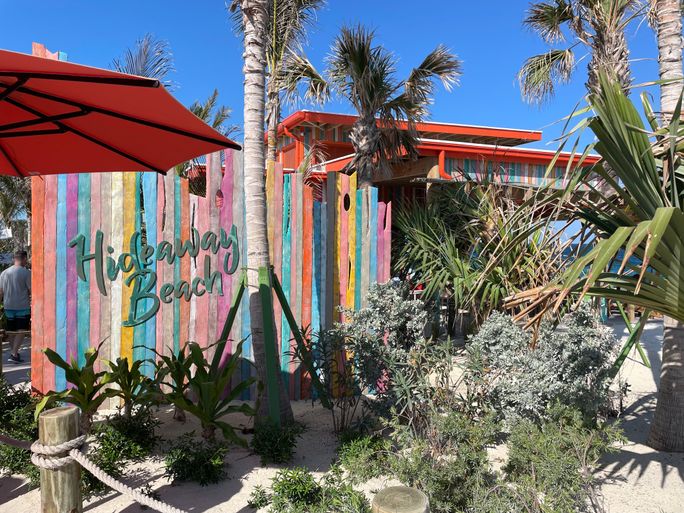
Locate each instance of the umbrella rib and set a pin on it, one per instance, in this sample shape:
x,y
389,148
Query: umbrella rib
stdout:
x,y
86,136
134,82
11,161
107,112
13,87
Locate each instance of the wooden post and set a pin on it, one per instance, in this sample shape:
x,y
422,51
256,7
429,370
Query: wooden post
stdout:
x,y
400,499
60,490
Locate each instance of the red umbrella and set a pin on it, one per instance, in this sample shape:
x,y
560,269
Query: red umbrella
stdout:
x,y
59,117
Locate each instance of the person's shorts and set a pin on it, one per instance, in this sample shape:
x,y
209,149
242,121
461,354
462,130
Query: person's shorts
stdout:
x,y
18,320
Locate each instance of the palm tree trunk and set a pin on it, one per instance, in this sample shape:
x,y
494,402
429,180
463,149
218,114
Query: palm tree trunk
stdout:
x,y
669,31
273,107
365,137
253,19
667,430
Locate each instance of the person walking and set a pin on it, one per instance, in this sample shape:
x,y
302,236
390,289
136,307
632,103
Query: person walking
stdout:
x,y
15,293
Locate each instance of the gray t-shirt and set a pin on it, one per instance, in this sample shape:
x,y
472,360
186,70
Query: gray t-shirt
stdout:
x,y
15,283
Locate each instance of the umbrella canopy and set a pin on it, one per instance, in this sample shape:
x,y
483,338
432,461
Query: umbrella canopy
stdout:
x,y
59,117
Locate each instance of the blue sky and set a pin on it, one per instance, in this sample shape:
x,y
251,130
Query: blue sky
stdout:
x,y
487,36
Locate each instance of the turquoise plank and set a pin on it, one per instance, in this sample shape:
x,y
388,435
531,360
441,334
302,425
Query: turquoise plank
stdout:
x,y
61,279
359,246
373,236
83,308
285,278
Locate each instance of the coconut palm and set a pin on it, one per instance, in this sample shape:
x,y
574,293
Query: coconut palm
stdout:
x,y
254,23
666,17
597,26
388,108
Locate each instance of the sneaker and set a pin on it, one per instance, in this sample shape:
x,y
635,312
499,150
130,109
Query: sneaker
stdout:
x,y
15,359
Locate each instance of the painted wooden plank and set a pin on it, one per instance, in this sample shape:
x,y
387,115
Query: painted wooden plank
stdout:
x,y
49,324
317,278
168,235
358,258
161,342
128,226
247,368
297,260
72,280
373,229
117,244
61,279
106,227
37,297
286,274
270,211
95,225
225,221
176,302
276,243
387,246
323,231
351,251
331,272
150,198
380,238
83,287
139,332
343,239
185,261
193,269
213,184
307,278
365,249
201,325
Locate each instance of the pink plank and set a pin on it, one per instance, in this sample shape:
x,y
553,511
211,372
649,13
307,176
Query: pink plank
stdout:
x,y
344,239
50,265
225,222
95,223
72,278
202,310
161,265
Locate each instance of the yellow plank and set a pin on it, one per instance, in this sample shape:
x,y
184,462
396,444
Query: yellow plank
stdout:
x,y
129,192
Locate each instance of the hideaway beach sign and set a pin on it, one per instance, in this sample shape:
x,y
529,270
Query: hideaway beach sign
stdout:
x,y
137,268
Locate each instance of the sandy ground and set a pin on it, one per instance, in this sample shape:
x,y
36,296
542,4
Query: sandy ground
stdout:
x,y
636,479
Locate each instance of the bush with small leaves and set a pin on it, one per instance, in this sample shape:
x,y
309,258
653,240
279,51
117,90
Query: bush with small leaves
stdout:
x,y
259,498
17,420
189,459
363,457
275,444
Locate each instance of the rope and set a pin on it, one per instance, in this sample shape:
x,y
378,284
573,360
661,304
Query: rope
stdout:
x,y
55,457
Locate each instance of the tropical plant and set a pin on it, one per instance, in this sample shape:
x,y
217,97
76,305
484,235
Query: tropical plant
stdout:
x,y
254,15
204,391
596,25
476,244
189,459
131,385
638,229
151,58
15,203
388,108
287,67
666,17
89,387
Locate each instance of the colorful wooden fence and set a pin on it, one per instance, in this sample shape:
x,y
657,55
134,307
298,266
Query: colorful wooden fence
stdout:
x,y
325,251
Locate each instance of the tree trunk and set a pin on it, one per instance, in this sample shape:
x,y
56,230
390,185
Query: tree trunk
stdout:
x,y
667,430
365,137
669,32
253,19
273,107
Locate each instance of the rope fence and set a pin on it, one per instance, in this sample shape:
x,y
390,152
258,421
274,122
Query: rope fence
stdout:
x,y
58,456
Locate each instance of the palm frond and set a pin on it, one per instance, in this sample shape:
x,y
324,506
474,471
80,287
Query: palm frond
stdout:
x,y
151,58
298,71
548,18
540,74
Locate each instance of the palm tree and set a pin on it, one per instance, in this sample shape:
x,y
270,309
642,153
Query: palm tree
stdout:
x,y
15,202
254,23
286,64
597,25
667,20
388,108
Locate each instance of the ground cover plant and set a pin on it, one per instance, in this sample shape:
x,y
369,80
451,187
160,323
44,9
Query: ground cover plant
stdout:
x,y
202,461
275,444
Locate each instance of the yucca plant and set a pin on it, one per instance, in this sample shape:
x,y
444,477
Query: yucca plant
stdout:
x,y
203,390
89,388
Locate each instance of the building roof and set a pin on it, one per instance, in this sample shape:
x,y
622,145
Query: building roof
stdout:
x,y
428,129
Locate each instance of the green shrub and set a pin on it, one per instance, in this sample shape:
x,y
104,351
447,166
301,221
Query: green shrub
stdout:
x,y
275,444
297,491
189,459
448,463
118,442
363,457
17,420
558,458
259,498
570,365
132,386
